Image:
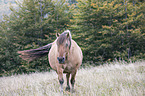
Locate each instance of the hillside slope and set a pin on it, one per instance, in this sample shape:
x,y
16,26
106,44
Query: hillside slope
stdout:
x,y
116,79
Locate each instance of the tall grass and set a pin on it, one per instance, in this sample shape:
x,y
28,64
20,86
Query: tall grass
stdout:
x,y
116,79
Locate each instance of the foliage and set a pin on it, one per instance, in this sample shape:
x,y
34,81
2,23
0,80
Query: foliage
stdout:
x,y
32,25
109,30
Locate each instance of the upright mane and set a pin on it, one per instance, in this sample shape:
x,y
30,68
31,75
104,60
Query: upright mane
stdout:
x,y
67,32
63,37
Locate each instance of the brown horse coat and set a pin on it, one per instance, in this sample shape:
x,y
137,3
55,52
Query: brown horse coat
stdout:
x,y
74,58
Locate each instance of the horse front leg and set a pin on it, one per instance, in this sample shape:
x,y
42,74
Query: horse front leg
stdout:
x,y
60,78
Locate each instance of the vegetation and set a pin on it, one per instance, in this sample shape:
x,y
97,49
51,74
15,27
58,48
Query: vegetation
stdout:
x,y
105,30
116,79
34,24
110,29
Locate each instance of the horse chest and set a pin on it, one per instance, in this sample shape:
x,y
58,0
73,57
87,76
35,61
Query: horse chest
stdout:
x,y
68,68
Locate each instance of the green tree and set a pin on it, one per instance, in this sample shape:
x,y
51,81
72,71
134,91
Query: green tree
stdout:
x,y
32,25
109,29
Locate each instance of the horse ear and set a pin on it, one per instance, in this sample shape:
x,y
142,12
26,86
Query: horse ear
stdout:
x,y
57,34
68,35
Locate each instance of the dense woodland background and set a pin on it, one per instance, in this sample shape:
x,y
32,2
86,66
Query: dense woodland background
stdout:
x,y
105,30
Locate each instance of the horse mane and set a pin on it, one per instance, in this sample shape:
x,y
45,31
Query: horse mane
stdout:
x,y
63,37
67,32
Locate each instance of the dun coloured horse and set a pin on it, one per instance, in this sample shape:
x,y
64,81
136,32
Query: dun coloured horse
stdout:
x,y
65,56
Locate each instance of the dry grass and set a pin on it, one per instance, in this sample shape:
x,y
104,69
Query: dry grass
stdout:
x,y
116,79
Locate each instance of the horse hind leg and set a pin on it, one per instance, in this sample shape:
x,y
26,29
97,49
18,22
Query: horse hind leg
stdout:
x,y
67,77
73,81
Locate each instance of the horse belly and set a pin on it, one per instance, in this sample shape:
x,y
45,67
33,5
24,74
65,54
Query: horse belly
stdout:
x,y
69,68
52,58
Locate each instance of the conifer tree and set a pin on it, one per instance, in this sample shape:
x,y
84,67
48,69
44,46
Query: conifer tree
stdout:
x,y
32,25
108,29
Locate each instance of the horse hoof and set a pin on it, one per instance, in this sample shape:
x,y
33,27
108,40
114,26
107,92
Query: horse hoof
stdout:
x,y
67,89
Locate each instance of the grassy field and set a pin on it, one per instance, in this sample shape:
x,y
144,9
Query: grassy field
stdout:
x,y
116,79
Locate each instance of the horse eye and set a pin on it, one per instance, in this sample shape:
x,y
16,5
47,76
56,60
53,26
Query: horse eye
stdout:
x,y
66,44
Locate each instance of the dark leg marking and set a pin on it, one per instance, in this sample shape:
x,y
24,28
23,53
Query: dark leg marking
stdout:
x,y
61,81
61,86
73,81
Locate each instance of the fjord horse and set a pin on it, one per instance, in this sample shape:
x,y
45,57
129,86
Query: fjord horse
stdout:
x,y
65,56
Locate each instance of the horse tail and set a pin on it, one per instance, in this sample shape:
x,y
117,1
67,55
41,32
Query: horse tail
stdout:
x,y
32,54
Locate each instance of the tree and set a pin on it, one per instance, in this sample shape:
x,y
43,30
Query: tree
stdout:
x,y
33,24
107,29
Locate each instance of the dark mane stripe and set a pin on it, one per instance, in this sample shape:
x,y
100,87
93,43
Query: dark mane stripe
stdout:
x,y
63,37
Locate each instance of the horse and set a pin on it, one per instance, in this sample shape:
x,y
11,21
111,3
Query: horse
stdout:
x,y
64,55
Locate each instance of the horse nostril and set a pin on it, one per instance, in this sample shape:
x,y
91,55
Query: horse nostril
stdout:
x,y
61,59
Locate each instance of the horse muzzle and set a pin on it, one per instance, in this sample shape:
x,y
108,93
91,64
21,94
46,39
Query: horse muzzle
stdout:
x,y
61,60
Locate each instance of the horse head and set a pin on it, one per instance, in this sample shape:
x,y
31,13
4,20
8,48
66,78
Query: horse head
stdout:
x,y
63,44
